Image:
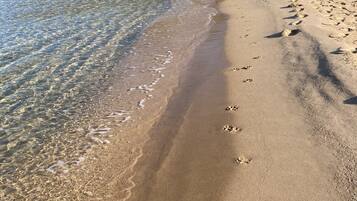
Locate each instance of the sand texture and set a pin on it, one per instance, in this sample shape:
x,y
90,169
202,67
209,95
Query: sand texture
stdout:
x,y
266,112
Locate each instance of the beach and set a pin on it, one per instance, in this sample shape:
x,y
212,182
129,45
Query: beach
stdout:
x,y
183,100
268,122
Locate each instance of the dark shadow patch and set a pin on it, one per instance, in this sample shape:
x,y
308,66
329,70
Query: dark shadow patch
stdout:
x,y
351,101
164,132
296,23
337,51
290,17
341,51
324,69
288,6
276,35
280,34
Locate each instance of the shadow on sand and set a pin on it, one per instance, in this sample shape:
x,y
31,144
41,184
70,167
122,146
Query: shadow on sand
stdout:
x,y
290,17
280,34
351,101
288,6
176,155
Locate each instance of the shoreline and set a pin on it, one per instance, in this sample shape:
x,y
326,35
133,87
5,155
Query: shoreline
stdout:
x,y
133,104
219,100
203,79
107,145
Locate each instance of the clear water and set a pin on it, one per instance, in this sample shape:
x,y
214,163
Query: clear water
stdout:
x,y
55,56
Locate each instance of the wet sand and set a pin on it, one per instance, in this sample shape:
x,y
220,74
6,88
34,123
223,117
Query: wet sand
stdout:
x,y
260,115
188,148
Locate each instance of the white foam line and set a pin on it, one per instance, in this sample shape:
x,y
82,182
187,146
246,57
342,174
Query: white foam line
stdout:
x,y
154,82
169,57
130,179
117,114
125,119
99,131
158,70
141,103
145,88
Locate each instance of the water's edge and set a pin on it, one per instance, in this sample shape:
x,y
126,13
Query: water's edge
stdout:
x,y
121,116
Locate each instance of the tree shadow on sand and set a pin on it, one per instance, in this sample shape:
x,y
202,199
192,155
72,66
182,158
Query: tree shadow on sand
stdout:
x,y
351,101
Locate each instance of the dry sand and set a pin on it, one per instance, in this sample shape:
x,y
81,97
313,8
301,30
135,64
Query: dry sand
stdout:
x,y
276,121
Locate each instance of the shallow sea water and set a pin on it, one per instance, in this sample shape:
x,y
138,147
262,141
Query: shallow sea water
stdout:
x,y
56,57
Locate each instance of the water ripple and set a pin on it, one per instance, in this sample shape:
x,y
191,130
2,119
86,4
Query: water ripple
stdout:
x,y
55,55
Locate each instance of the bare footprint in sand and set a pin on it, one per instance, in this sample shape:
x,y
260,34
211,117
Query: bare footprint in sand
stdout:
x,y
242,160
248,80
231,129
232,108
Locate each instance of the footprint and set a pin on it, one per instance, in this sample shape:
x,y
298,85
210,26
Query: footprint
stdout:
x,y
231,129
242,68
297,22
341,50
301,15
232,108
242,160
329,24
338,35
288,6
246,67
285,33
244,36
248,80
348,29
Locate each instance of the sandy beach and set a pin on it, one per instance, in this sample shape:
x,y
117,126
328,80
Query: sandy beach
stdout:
x,y
190,100
266,112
